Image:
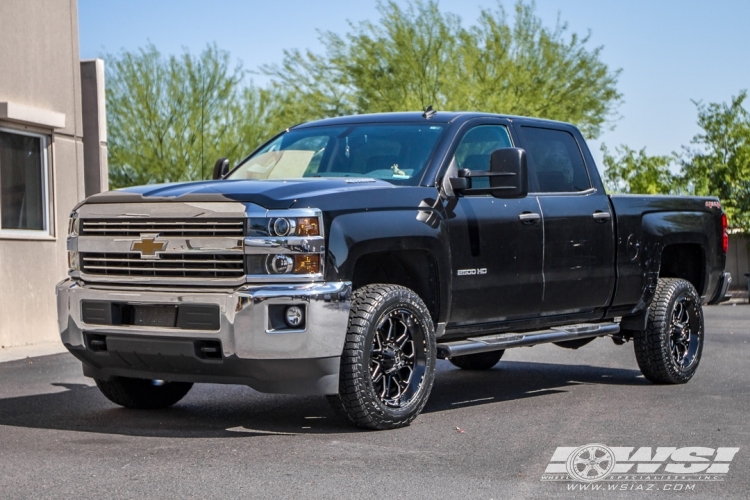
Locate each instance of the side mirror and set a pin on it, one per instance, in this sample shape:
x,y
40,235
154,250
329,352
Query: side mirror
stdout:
x,y
508,176
221,168
509,173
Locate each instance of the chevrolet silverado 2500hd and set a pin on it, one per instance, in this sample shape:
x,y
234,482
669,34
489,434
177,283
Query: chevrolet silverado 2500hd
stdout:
x,y
345,256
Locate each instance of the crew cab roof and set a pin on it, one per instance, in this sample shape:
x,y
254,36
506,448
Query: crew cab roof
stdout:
x,y
415,116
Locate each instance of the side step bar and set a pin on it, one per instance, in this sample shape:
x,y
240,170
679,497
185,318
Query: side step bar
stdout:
x,y
507,340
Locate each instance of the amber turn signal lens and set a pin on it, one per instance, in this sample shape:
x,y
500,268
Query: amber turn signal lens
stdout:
x,y
308,226
306,264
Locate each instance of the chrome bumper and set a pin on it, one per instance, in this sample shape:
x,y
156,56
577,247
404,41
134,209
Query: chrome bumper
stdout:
x,y
253,353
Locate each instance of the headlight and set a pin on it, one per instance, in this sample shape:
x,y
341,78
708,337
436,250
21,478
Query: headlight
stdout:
x,y
287,244
279,264
293,264
74,223
297,226
73,261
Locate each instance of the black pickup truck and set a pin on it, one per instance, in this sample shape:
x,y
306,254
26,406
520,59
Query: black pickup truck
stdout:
x,y
345,256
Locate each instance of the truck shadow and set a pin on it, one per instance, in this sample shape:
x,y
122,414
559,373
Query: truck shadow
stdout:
x,y
236,411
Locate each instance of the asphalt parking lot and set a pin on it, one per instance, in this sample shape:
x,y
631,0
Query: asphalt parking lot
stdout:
x,y
482,435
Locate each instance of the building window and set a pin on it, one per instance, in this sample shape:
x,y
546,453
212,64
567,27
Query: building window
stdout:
x,y
24,192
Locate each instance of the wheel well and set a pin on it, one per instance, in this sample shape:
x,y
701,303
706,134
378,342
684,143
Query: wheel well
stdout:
x,y
414,269
684,261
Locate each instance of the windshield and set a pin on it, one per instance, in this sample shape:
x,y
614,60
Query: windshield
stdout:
x,y
395,153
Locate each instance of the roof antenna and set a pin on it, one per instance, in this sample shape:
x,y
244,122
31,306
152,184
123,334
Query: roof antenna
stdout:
x,y
428,112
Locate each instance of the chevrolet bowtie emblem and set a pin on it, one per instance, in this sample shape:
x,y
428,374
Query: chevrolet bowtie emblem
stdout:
x,y
148,246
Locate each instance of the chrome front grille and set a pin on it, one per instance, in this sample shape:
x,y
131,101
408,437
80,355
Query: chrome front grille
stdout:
x,y
169,266
166,227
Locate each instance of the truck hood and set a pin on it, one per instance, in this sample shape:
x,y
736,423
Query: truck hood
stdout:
x,y
270,194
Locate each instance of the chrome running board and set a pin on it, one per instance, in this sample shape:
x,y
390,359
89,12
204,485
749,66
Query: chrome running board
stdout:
x,y
489,343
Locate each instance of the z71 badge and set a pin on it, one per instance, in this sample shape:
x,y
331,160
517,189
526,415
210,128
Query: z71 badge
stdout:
x,y
471,272
713,204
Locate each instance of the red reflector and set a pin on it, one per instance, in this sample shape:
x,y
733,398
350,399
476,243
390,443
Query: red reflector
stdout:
x,y
724,234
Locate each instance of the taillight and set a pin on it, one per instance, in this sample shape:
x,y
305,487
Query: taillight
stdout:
x,y
724,234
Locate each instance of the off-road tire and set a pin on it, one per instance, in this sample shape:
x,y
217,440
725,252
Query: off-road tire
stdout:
x,y
480,361
655,346
143,394
358,400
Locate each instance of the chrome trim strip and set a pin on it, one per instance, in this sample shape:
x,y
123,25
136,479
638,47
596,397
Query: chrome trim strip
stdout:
x,y
289,244
285,278
237,259
161,280
170,210
175,245
591,190
294,212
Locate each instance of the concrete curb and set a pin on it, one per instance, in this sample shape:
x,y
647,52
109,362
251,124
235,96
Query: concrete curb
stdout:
x,y
30,351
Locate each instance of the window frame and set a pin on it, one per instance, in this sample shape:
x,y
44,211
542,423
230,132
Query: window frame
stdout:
x,y
532,166
46,233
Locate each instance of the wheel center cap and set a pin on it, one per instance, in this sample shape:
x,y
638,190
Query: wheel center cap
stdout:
x,y
392,359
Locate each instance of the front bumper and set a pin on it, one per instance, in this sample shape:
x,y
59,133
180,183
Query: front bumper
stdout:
x,y
254,351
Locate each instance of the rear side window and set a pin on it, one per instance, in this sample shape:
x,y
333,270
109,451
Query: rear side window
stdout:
x,y
556,160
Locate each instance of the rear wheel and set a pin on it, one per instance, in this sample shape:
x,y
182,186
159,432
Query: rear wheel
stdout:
x,y
388,364
480,361
670,349
141,393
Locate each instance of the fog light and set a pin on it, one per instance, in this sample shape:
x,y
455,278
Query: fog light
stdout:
x,y
279,264
293,316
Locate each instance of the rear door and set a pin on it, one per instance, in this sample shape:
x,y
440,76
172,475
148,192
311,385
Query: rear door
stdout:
x,y
496,244
579,270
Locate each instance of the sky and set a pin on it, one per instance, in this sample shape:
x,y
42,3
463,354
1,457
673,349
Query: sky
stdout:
x,y
670,52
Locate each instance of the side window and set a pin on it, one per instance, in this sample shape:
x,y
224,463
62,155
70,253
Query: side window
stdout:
x,y
476,147
24,202
556,159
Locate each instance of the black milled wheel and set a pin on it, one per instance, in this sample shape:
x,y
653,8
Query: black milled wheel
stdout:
x,y
388,363
143,394
669,350
481,361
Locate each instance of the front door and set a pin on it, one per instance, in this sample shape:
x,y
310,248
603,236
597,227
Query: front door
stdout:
x,y
496,244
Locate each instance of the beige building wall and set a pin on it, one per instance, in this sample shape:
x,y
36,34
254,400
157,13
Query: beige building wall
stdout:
x,y
40,91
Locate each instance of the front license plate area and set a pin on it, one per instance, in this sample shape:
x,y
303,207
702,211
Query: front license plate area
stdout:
x,y
160,316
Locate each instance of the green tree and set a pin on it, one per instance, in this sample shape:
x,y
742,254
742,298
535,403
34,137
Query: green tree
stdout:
x,y
634,172
170,118
720,165
417,55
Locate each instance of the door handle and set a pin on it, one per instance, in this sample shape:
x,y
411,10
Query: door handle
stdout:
x,y
529,217
602,216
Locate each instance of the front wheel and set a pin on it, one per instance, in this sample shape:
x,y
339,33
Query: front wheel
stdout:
x,y
388,363
143,394
670,349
